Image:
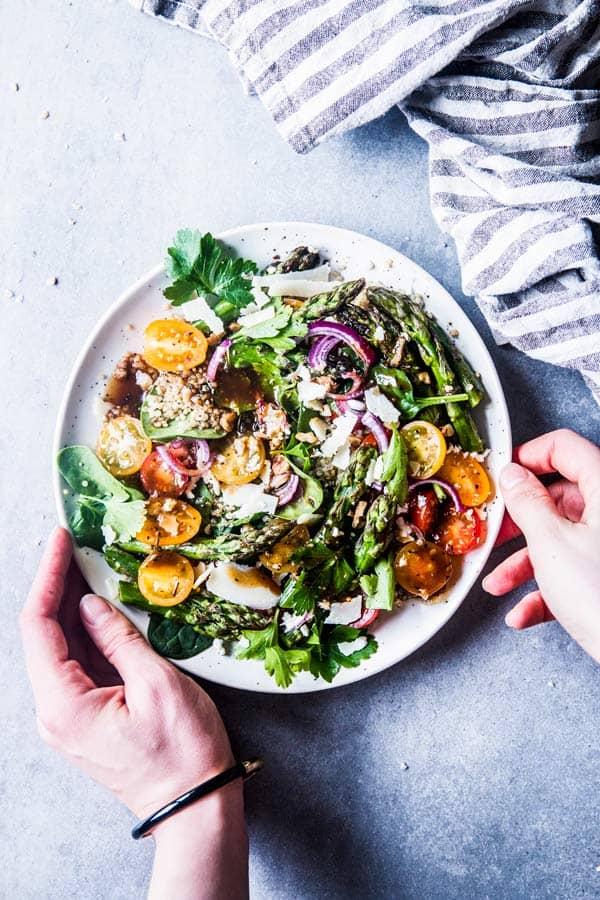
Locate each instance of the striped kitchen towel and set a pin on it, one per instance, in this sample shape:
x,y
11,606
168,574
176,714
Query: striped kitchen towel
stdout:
x,y
505,92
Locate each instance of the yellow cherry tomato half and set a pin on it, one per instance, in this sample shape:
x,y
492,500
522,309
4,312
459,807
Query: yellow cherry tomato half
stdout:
x,y
468,476
425,446
123,446
168,521
171,345
239,460
422,568
165,578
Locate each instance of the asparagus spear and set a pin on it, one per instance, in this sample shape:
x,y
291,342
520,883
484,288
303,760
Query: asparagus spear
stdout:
x,y
299,260
375,326
469,379
376,535
121,561
226,546
397,386
327,303
205,613
349,489
433,355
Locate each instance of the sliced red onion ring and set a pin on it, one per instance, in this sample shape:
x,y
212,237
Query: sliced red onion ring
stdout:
x,y
356,389
326,328
445,485
299,622
288,491
217,358
197,449
319,351
376,426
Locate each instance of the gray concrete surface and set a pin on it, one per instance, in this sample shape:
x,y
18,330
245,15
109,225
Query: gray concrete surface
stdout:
x,y
500,730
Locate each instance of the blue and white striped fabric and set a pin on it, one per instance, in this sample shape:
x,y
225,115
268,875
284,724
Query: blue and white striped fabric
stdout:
x,y
505,92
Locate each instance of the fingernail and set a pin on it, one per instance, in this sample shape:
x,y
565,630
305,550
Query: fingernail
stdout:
x,y
509,619
94,609
485,582
512,474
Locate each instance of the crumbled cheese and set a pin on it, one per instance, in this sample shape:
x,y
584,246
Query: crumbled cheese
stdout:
x,y
380,406
109,534
303,372
379,333
358,405
249,499
255,318
342,429
348,647
198,310
311,390
219,646
344,612
308,519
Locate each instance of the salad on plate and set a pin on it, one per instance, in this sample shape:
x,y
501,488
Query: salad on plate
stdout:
x,y
286,457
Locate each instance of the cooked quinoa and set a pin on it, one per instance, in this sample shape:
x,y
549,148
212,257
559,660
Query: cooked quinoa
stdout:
x,y
190,395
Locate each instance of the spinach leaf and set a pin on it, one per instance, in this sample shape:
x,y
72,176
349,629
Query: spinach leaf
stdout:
x,y
176,640
98,500
309,501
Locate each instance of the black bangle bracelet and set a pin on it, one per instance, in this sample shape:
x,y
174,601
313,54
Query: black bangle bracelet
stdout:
x,y
242,770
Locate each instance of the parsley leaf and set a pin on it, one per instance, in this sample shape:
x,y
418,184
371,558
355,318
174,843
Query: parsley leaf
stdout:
x,y
280,662
197,263
326,657
281,332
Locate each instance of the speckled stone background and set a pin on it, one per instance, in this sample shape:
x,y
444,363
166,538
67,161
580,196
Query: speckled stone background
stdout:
x,y
148,130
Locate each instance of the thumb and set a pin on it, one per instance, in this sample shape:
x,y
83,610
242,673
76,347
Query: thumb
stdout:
x,y
115,637
528,502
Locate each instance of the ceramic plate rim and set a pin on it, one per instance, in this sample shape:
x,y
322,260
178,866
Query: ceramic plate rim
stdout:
x,y
375,665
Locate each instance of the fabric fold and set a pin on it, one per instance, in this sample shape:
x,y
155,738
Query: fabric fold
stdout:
x,y
503,91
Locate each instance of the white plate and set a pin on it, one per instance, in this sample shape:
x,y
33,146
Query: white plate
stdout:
x,y
405,630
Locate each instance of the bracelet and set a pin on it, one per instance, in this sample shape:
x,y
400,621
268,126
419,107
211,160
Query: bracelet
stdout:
x,y
243,770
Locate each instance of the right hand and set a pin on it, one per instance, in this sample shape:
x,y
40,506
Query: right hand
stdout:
x,y
561,525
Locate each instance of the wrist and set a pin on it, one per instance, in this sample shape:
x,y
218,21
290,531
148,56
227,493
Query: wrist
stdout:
x,y
213,815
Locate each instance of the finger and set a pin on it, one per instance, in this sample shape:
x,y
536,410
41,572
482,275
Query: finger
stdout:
x,y
568,500
509,574
567,452
530,610
508,531
119,641
528,502
46,651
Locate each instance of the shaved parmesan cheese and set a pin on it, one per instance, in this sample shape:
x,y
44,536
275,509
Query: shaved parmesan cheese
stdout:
x,y
348,647
311,390
286,288
319,273
255,318
199,310
249,499
303,372
342,429
341,459
345,612
380,406
379,333
244,585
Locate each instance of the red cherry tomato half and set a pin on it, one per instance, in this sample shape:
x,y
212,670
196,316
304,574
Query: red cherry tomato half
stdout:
x,y
367,618
460,532
159,478
423,509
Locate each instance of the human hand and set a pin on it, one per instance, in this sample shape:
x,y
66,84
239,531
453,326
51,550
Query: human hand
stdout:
x,y
137,725
561,525
107,701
